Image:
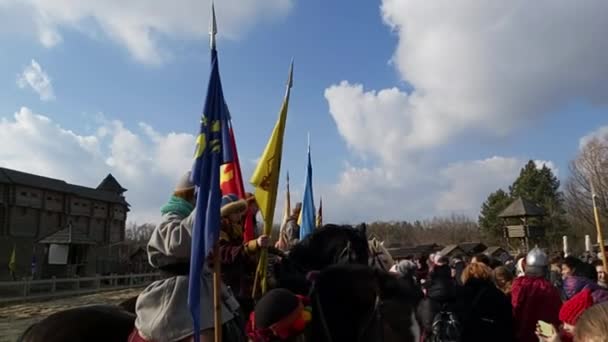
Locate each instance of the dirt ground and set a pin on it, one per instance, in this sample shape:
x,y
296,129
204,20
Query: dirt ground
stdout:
x,y
14,319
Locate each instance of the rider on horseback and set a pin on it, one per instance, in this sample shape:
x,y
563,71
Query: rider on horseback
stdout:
x,y
290,232
162,308
238,256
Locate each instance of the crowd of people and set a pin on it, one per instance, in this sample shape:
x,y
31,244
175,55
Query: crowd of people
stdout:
x,y
527,298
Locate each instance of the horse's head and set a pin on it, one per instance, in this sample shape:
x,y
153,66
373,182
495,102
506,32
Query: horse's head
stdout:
x,y
328,245
379,256
359,303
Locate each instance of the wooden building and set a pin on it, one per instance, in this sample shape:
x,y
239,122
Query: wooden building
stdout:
x,y
400,253
523,221
453,251
42,217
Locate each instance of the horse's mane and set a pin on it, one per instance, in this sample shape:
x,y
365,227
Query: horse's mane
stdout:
x,y
315,250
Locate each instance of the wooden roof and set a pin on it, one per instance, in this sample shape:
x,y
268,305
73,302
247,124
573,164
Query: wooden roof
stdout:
x,y
111,184
450,249
68,236
493,249
521,207
402,252
27,179
472,247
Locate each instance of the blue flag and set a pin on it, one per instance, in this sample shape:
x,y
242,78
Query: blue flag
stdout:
x,y
308,204
211,152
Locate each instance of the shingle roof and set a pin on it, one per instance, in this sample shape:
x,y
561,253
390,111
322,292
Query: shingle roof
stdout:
x,y
400,252
449,249
491,250
521,207
472,247
68,236
28,179
111,184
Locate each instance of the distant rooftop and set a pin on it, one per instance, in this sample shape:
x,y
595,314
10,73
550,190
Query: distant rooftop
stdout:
x,y
521,207
10,176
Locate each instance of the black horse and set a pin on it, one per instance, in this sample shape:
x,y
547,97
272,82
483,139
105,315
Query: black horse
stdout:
x,y
360,304
328,245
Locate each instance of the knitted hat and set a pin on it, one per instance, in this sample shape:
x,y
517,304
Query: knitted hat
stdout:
x,y
573,308
280,313
184,182
232,204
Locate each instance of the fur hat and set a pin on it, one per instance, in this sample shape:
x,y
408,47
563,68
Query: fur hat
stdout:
x,y
573,308
232,204
184,183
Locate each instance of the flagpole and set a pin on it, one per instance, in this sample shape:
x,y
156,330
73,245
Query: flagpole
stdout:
x,y
266,179
598,227
217,276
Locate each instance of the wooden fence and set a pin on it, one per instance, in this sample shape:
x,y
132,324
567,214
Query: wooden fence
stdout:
x,y
27,289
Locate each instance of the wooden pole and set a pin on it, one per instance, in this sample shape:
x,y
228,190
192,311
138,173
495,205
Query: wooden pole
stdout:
x,y
217,288
260,278
600,236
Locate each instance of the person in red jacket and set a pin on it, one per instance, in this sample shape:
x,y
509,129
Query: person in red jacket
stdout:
x,y
569,315
534,298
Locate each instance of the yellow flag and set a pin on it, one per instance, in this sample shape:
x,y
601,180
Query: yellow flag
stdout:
x,y
12,262
265,179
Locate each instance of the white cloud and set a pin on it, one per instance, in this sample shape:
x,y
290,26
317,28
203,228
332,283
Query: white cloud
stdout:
x,y
601,133
482,66
34,77
148,162
144,161
140,25
475,68
469,183
551,165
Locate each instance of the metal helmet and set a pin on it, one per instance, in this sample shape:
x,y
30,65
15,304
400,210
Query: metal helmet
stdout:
x,y
537,258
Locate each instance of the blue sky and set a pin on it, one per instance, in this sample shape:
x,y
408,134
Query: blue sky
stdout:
x,y
434,94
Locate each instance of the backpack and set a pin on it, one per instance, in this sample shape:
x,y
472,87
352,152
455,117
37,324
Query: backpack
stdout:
x,y
446,326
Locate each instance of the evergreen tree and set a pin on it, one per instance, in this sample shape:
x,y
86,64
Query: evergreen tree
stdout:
x,y
541,186
490,224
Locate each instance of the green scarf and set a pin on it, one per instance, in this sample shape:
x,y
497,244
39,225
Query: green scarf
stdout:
x,y
177,205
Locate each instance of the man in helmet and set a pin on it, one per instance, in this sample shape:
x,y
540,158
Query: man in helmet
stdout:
x,y
534,298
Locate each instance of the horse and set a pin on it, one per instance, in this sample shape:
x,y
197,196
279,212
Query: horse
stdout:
x,y
359,303
327,245
379,255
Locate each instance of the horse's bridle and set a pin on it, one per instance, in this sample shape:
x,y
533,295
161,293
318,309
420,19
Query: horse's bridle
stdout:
x,y
347,255
377,262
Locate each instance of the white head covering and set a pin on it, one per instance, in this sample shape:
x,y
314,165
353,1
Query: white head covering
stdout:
x,y
520,267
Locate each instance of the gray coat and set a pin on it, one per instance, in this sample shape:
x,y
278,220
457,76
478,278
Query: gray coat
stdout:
x,y
162,308
290,233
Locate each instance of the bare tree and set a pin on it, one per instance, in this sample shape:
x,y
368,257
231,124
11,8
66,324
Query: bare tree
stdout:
x,y
440,230
589,167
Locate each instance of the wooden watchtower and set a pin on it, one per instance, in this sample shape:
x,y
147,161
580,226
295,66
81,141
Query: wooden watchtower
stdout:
x,y
522,220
